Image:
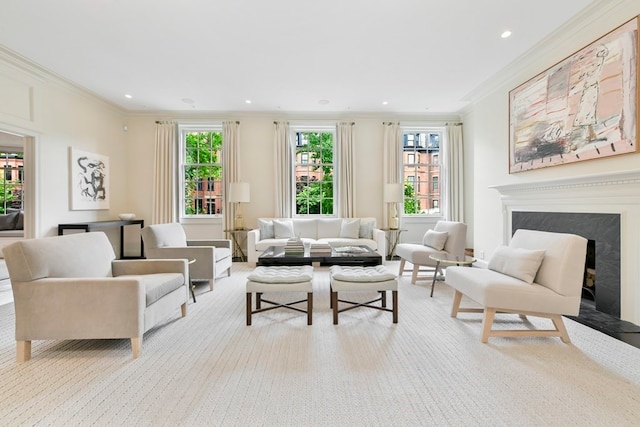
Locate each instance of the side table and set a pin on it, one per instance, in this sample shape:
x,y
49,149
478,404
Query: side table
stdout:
x,y
448,259
393,238
239,237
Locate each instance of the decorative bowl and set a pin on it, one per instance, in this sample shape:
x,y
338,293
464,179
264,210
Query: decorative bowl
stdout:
x,y
127,216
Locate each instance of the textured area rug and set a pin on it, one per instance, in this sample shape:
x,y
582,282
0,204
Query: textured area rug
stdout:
x,y
209,368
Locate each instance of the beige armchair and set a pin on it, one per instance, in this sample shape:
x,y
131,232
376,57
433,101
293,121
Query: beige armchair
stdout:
x,y
539,274
72,287
446,237
212,257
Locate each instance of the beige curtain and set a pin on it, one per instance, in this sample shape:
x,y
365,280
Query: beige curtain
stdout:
x,y
283,152
346,170
230,166
392,162
453,165
165,174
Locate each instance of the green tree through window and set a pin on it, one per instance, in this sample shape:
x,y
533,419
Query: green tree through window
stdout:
x,y
202,172
314,173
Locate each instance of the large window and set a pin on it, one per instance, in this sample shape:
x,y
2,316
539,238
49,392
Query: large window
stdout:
x,y
421,171
201,171
11,183
314,171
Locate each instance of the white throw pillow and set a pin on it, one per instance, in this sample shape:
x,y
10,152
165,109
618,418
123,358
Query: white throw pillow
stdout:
x,y
266,229
366,228
520,263
283,229
350,228
435,239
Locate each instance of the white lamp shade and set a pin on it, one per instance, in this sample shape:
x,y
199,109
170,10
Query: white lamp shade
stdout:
x,y
393,193
239,192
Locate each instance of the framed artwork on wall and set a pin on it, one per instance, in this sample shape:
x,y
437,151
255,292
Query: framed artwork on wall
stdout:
x,y
585,107
89,180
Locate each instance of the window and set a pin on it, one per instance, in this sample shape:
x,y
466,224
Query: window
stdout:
x,y
201,171
421,171
314,178
11,183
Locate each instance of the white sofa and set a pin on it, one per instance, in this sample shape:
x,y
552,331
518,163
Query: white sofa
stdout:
x,y
336,231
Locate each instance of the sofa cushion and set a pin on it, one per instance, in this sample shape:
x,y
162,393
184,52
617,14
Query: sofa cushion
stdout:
x,y
366,227
328,227
520,263
305,228
435,239
283,229
350,228
266,229
20,221
8,221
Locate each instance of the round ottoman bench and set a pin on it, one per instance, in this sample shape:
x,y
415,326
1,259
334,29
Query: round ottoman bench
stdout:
x,y
280,279
375,278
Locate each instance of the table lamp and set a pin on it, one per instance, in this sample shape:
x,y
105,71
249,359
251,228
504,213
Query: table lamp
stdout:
x,y
239,193
393,194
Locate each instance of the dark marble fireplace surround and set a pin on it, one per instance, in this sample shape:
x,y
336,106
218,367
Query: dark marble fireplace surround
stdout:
x,y
604,229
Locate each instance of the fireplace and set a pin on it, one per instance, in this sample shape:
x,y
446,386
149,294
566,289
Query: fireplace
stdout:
x,y
603,230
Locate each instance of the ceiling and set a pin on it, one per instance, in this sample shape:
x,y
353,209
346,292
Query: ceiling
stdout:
x,y
283,55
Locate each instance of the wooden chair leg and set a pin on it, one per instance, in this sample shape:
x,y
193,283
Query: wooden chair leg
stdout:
x,y
383,299
457,297
487,322
136,344
249,308
211,284
334,305
559,324
414,275
309,308
183,309
401,269
23,351
394,298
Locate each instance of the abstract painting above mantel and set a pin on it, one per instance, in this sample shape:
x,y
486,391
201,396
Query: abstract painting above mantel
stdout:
x,y
585,107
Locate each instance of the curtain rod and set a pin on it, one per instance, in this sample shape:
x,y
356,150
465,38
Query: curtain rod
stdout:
x,y
453,124
162,122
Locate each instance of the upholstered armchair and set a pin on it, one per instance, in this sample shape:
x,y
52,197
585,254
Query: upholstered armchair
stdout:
x,y
539,274
212,257
446,237
72,287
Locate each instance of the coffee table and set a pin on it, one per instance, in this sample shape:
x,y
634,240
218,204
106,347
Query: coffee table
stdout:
x,y
340,255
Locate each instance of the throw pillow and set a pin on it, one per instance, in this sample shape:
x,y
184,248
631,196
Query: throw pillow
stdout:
x,y
366,228
8,221
283,229
520,263
435,239
266,229
350,228
20,221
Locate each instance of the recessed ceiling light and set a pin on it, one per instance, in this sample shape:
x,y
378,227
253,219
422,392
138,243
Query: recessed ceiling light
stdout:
x,y
385,102
323,102
505,34
247,101
126,95
188,100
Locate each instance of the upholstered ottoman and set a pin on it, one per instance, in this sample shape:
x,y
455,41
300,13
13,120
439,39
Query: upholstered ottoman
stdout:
x,y
375,278
280,279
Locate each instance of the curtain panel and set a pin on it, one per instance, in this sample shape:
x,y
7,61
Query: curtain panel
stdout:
x,y
284,163
165,206
392,161
230,167
453,165
346,170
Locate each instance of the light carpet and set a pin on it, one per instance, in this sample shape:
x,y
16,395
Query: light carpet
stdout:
x,y
210,369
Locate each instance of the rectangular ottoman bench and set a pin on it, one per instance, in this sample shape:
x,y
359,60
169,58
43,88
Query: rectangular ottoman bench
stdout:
x,y
375,278
280,279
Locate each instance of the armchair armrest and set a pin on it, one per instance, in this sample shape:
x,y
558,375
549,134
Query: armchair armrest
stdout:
x,y
253,237
177,264
218,243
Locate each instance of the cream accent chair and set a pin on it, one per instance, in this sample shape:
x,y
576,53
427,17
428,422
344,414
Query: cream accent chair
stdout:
x,y
169,241
72,287
418,254
539,274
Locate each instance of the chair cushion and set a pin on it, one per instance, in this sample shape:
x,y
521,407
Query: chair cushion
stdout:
x,y
281,274
158,285
520,263
376,273
435,239
283,229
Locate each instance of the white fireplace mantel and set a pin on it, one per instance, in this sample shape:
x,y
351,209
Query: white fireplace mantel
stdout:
x,y
614,192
